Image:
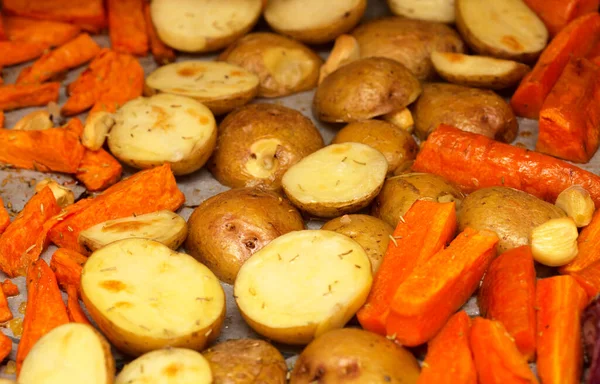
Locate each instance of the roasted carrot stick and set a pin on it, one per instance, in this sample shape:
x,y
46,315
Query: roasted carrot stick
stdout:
x,y
127,27
556,14
5,346
16,96
577,39
4,217
16,52
76,314
5,313
437,288
560,302
426,229
161,52
588,278
51,33
3,35
98,170
474,161
67,265
507,294
1,112
449,358
588,245
9,288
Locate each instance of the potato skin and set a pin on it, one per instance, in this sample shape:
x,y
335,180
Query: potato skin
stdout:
x,y
351,355
226,229
364,89
245,126
246,361
397,145
469,109
512,214
407,41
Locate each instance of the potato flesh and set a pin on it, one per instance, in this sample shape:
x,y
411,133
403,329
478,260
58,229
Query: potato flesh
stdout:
x,y
263,163
431,10
70,354
288,66
472,67
34,121
298,15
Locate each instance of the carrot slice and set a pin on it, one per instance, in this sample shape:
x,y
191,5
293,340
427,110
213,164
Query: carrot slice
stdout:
x,y
497,359
16,52
16,96
449,359
5,346
5,313
87,13
560,301
67,266
1,112
436,289
556,14
4,217
76,314
51,33
426,229
161,52
2,29
588,245
127,26
9,288
588,278
98,170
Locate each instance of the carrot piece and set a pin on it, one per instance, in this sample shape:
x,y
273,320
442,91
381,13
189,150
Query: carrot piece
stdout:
x,y
25,238
16,96
5,313
507,295
87,13
449,358
1,112
57,150
76,314
70,55
4,217
67,266
426,229
98,170
51,33
16,52
3,35
9,288
439,287
147,191
577,39
5,346
127,26
162,53
588,245
556,14
560,301
45,308
589,279
473,161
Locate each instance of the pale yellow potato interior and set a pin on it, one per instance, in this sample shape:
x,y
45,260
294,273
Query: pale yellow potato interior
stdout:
x,y
288,66
292,15
432,10
264,163
471,66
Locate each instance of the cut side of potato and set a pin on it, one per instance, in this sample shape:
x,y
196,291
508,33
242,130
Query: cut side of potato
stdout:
x,y
34,121
72,353
165,227
344,51
145,296
96,129
478,71
303,284
218,85
63,195
430,10
506,29
338,179
164,128
167,366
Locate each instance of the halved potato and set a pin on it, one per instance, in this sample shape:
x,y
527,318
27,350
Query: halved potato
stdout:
x,y
402,119
507,29
167,366
95,131
220,86
34,121
314,21
345,50
338,179
303,284
165,227
431,10
203,25
72,353
151,131
145,296
63,195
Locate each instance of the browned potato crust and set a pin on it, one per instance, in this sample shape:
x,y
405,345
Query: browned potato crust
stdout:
x,y
470,109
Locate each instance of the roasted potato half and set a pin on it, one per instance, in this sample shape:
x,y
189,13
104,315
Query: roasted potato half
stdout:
x,y
150,131
314,21
345,50
220,86
258,143
430,10
145,296
203,25
335,180
469,109
225,230
72,353
246,361
273,295
410,42
284,66
364,89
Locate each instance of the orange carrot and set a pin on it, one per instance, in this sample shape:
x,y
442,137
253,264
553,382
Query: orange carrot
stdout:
x,y
556,14
439,287
51,33
507,295
76,314
497,359
9,288
1,112
5,313
426,229
161,52
127,27
577,39
560,301
67,266
588,278
71,55
588,245
449,358
98,170
45,308
16,52
2,29
16,96
4,217
5,346
86,13
473,161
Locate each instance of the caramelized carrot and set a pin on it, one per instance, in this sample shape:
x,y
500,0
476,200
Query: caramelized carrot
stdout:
x,y
588,245
1,112
2,28
437,288
67,266
74,310
98,170
51,33
426,229
588,278
9,288
556,14
86,13
449,359
560,302
474,161
16,96
4,217
5,313
127,26
161,52
507,294
16,52
5,346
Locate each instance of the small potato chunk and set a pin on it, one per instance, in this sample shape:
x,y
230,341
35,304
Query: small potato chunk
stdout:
x,y
145,296
368,231
96,129
150,131
203,25
430,10
577,204
344,51
335,180
63,195
72,353
34,121
246,361
167,366
554,243
302,285
220,86
165,227
402,119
